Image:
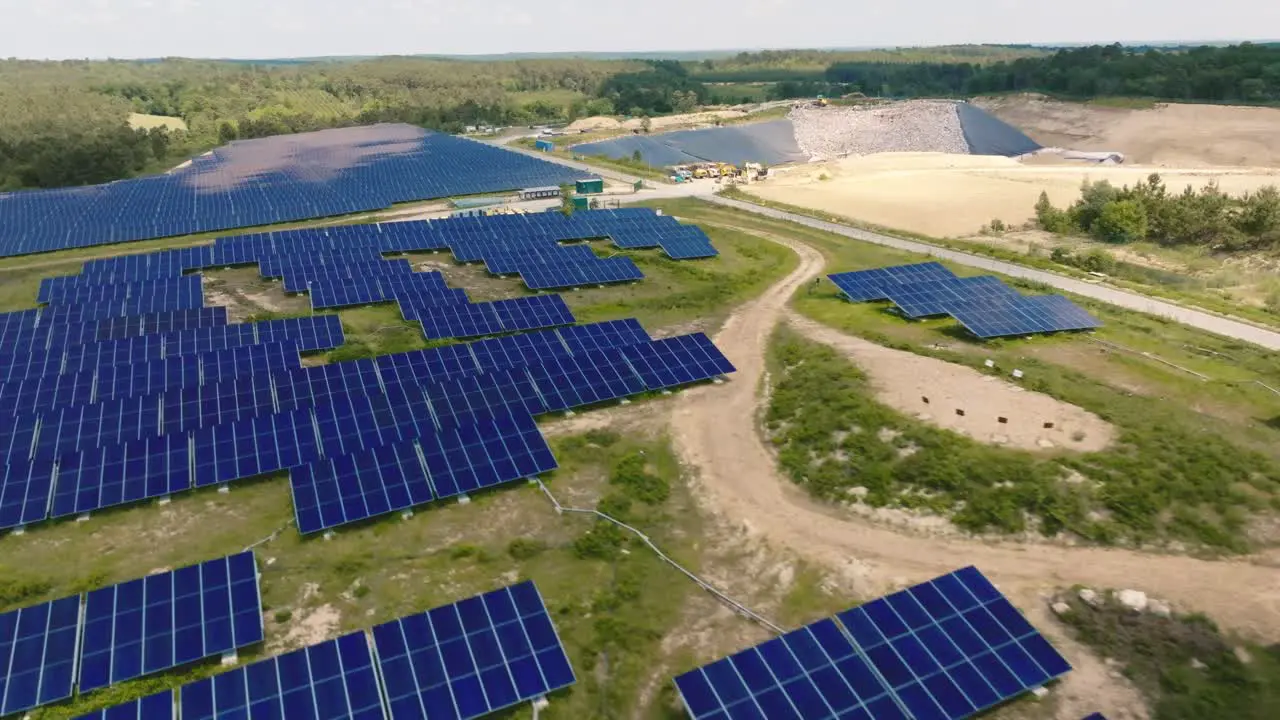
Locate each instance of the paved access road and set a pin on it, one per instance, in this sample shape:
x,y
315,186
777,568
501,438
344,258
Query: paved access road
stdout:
x,y
1216,324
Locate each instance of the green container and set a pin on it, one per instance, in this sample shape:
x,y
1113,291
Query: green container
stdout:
x,y
581,203
590,187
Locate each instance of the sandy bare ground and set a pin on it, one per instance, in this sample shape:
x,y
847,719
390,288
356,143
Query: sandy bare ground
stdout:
x,y
147,122
903,380
716,434
964,192
1167,135
602,122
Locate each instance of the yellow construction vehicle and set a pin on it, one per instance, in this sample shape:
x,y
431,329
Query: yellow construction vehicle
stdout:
x,y
821,101
700,172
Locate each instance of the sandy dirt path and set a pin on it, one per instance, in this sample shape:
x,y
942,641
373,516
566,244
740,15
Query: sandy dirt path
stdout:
x,y
715,430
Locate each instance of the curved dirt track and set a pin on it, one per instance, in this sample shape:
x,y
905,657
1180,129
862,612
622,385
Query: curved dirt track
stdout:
x,y
715,432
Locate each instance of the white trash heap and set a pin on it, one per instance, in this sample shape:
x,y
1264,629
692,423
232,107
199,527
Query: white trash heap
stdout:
x,y
910,126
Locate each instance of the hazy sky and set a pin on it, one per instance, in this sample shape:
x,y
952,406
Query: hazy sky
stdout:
x,y
293,28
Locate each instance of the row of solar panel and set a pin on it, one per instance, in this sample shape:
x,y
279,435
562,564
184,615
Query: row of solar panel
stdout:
x,y
87,463
211,193
113,382
128,630
190,408
984,305
320,332
945,649
42,329
636,228
455,662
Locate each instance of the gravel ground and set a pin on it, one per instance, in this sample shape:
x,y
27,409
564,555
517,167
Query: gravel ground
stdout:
x,y
911,126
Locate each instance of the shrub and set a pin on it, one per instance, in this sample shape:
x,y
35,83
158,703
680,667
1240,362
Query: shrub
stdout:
x,y
525,548
283,616
602,542
1050,218
632,475
360,591
1121,221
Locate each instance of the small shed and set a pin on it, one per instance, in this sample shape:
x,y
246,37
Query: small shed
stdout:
x,y
544,145
593,186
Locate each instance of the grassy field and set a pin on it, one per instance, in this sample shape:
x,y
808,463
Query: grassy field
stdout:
x,y
1196,461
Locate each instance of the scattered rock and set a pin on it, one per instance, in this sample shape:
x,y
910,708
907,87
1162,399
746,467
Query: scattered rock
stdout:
x,y
1060,608
1040,692
1195,663
1242,655
1044,443
1090,597
858,492
1159,608
1135,600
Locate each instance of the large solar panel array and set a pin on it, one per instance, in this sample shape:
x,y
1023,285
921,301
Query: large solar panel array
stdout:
x,y
268,181
126,631
318,260
942,650
455,662
984,305
71,459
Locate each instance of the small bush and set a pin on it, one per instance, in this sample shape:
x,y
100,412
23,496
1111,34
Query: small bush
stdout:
x,y
283,616
631,473
19,590
464,551
360,591
525,548
602,542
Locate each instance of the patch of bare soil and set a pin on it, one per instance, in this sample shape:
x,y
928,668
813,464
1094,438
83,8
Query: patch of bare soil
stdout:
x,y
715,433
308,625
983,407
1170,134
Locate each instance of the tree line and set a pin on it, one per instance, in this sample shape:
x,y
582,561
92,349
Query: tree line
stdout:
x,y
1148,211
1244,73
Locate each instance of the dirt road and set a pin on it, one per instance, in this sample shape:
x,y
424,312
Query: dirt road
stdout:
x,y
716,434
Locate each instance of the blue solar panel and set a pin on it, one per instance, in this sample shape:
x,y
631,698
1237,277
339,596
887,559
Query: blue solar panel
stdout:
x,y
460,459
945,649
491,318
602,271
806,674
1095,716
997,317
334,680
26,487
936,297
170,619
471,658
103,477
152,707
863,285
330,172
38,654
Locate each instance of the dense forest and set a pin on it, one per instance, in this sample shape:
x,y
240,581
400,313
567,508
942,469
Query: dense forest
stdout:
x,y
66,123
1245,73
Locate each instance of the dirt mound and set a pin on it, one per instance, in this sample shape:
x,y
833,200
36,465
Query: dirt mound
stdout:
x,y
904,381
708,117
946,195
598,122
1166,135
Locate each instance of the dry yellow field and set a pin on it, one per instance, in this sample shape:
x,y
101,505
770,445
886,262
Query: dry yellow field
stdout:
x,y
954,195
